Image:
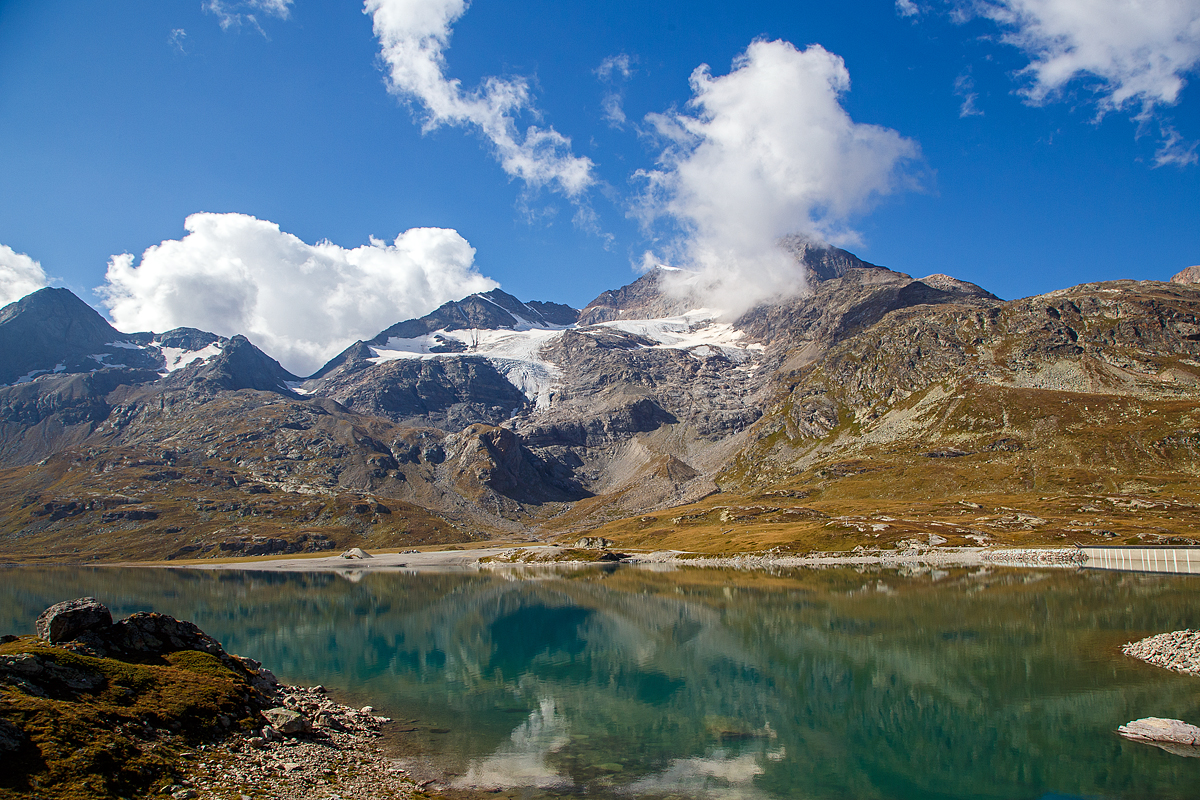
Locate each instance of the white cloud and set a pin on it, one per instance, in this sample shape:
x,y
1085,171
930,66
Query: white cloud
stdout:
x,y
301,303
232,13
964,87
413,37
612,71
907,8
1175,150
19,275
766,151
1133,52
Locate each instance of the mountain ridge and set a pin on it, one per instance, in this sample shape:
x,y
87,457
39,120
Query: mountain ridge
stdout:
x,y
769,429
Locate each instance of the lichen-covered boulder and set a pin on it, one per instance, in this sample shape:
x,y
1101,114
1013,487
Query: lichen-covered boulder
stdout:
x,y
286,721
65,621
151,633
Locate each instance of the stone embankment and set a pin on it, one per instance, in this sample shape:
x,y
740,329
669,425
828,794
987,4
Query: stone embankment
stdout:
x,y
1178,651
1036,557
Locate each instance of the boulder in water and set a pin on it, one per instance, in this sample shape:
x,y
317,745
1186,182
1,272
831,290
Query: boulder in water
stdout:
x,y
1173,735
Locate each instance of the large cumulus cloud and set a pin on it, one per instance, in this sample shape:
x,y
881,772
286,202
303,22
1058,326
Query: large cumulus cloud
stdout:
x,y
763,152
19,275
302,303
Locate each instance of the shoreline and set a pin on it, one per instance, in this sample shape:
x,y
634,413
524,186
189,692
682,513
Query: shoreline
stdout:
x,y
474,560
342,754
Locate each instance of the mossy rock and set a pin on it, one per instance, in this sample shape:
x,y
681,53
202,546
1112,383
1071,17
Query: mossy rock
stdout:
x,y
124,735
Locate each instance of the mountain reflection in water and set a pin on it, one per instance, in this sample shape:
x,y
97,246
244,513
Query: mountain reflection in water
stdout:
x,y
834,683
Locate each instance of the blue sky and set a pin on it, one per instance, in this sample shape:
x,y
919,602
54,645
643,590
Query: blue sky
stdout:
x,y
121,120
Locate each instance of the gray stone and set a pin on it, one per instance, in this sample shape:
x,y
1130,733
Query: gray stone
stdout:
x,y
1158,729
1173,735
594,543
329,721
286,721
64,621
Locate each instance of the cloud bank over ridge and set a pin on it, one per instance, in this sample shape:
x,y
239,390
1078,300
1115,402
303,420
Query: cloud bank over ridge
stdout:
x,y
19,275
301,303
413,37
762,152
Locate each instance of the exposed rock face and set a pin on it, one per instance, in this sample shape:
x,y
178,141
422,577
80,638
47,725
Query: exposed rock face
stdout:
x,y
489,311
240,365
449,394
593,543
52,329
65,621
645,298
1188,275
11,737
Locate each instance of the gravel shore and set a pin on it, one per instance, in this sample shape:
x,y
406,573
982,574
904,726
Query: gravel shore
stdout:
x,y
1178,651
340,758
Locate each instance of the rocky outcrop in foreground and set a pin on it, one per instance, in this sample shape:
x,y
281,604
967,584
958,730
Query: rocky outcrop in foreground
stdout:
x,y
314,744
152,704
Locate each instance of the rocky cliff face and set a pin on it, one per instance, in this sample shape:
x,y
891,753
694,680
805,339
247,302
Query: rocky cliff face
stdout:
x,y
493,415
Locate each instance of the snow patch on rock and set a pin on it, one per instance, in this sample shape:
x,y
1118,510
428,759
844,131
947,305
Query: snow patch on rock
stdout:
x,y
177,358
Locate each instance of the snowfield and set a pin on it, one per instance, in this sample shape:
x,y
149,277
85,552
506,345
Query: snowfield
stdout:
x,y
517,353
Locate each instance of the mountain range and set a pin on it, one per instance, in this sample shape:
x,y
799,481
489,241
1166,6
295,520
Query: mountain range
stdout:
x,y
873,410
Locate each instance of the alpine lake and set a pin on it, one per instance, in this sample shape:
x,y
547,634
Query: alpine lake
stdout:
x,y
620,681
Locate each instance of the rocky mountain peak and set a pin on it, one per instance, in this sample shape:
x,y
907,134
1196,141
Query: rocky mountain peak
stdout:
x,y
822,262
239,365
645,298
1187,275
52,330
492,310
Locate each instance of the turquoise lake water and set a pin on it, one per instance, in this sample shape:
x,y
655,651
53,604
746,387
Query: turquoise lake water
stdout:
x,y
620,682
